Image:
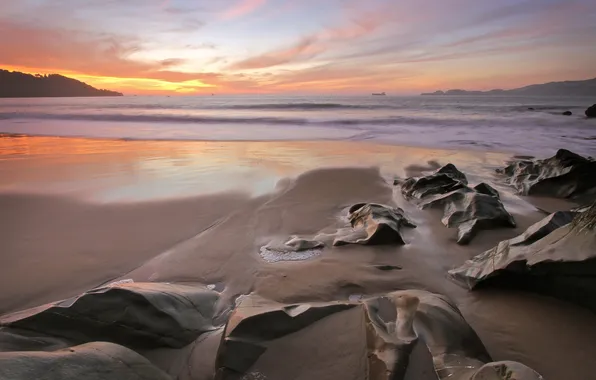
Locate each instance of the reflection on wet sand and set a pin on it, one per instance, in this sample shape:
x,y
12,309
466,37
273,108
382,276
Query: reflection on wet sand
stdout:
x,y
113,170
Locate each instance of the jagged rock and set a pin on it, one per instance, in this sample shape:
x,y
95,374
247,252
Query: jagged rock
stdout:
x,y
484,188
565,175
547,258
374,224
468,209
444,180
406,334
471,211
591,111
567,113
131,314
92,361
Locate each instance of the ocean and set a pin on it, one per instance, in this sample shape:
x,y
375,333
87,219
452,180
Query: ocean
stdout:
x,y
521,125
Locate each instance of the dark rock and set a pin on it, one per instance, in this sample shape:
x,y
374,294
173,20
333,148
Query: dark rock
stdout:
x,y
567,113
484,188
387,267
591,111
407,334
23,340
131,314
92,361
530,108
470,211
374,224
444,180
565,175
552,257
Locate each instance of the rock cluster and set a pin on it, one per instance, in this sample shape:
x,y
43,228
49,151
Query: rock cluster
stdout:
x,y
469,209
555,256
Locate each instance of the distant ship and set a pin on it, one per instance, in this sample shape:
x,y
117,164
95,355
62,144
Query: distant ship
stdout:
x,y
379,93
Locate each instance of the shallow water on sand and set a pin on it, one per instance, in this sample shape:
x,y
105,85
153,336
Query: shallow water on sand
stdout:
x,y
77,213
117,170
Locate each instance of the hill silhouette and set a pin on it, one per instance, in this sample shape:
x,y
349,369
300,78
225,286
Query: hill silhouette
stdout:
x,y
14,84
567,88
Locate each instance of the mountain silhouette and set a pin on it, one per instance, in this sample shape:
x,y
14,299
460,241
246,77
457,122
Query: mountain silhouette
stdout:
x,y
567,88
14,84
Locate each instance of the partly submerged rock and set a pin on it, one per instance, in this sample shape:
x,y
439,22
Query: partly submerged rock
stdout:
x,y
591,111
295,249
405,335
567,113
565,175
471,211
131,314
374,224
92,361
548,258
442,181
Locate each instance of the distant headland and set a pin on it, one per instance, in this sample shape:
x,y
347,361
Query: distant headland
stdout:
x,y
567,88
14,84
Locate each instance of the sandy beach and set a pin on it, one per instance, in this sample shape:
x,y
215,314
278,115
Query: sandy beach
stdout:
x,y
73,219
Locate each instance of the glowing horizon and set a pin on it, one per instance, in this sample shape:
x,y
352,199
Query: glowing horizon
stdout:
x,y
286,46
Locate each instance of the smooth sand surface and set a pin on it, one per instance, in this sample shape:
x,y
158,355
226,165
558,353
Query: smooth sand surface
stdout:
x,y
55,244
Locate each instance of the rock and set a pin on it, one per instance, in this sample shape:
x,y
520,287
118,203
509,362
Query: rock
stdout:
x,y
552,257
567,113
295,249
530,108
591,111
483,188
457,351
23,340
565,175
131,314
374,224
468,209
403,335
444,180
92,361
387,267
471,211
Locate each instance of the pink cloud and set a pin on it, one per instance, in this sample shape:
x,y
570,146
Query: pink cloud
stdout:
x,y
241,8
360,25
306,47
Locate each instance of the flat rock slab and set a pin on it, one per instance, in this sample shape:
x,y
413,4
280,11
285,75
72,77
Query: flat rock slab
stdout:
x,y
92,361
565,175
554,256
404,335
132,314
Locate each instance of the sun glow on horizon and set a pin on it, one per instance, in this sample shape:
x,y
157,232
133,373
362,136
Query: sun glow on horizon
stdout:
x,y
281,46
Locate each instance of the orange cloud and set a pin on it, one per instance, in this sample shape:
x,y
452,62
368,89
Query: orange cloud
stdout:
x,y
241,8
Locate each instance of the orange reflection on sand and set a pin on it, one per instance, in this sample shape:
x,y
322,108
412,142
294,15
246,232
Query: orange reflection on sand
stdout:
x,y
191,167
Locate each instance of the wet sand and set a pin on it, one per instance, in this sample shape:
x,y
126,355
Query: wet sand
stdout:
x,y
76,213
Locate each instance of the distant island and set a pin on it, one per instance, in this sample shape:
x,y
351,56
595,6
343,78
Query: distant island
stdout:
x,y
14,84
567,88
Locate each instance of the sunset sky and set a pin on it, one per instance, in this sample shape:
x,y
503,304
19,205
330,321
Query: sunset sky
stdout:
x,y
300,46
